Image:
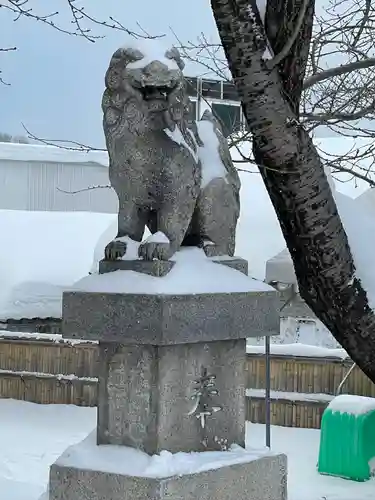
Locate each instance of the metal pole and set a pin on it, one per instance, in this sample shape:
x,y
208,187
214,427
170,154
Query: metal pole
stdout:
x,y
268,391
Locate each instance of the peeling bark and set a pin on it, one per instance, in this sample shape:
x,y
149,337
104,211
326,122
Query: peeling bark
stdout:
x,y
296,182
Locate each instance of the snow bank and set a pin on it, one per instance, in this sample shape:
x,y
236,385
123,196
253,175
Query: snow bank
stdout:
x,y
258,236
42,253
298,350
124,460
193,273
359,226
50,154
32,437
355,405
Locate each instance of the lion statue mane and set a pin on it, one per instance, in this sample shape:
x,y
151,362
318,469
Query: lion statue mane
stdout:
x,y
171,174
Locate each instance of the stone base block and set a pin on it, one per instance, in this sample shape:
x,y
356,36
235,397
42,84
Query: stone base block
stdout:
x,y
263,478
161,398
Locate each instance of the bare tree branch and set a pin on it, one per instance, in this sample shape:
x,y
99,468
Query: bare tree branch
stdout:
x,y
79,15
61,143
338,70
90,188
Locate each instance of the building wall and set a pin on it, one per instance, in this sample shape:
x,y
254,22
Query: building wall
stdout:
x,y
299,324
34,185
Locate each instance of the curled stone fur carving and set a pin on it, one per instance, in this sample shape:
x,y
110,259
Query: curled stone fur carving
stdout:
x,y
171,173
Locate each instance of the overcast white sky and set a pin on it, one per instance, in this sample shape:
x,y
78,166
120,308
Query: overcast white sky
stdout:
x,y
57,80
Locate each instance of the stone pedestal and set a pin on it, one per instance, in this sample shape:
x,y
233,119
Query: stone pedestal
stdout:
x,y
157,354
171,377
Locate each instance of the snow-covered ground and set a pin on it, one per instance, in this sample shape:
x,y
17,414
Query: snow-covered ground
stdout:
x,y
33,436
42,254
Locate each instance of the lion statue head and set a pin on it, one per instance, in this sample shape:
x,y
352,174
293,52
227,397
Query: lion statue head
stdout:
x,y
147,79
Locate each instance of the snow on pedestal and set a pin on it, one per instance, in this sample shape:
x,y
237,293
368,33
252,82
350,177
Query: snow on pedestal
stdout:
x,y
198,300
193,273
132,462
97,472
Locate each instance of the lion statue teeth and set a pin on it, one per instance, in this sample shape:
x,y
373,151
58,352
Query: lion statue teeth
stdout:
x,y
170,173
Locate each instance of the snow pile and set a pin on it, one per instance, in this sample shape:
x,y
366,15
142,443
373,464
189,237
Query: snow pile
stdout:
x,y
42,253
298,350
354,405
193,273
359,226
124,460
32,437
258,235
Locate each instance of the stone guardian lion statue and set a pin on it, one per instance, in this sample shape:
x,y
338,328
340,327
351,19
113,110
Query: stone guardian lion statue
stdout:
x,y
170,173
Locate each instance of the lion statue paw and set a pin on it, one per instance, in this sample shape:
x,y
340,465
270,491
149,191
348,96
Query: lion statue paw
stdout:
x,y
115,250
150,250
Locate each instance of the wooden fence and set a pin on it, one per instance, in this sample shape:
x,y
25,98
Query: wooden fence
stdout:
x,y
46,369
301,387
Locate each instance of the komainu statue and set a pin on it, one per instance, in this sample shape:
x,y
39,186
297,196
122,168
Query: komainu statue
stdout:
x,y
171,173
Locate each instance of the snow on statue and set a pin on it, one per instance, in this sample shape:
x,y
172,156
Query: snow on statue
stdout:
x,y
170,173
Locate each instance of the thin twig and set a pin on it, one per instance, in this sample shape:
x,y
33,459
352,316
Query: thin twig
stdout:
x,y
90,188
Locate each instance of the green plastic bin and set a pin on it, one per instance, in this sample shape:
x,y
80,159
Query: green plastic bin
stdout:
x,y
347,438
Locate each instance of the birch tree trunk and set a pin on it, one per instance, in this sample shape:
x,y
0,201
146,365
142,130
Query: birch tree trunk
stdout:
x,y
291,168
